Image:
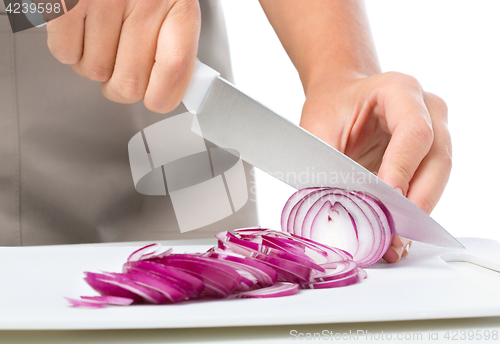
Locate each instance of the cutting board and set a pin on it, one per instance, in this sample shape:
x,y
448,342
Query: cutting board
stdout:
x,y
33,281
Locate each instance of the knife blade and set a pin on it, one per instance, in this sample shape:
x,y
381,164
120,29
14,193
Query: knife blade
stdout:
x,y
231,119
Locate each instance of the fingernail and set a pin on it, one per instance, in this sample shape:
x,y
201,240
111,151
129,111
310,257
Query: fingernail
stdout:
x,y
398,242
392,255
407,249
399,251
398,189
405,242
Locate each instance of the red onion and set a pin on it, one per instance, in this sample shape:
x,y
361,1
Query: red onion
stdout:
x,y
192,285
279,289
148,252
352,221
342,282
100,301
251,263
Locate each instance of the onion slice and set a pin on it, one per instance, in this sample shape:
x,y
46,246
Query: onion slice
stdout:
x,y
279,289
342,282
100,301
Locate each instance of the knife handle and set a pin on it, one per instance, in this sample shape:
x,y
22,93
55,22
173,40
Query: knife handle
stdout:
x,y
198,86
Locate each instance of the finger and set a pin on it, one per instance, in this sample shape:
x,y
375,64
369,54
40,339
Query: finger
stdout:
x,y
136,52
102,32
399,248
409,123
432,175
65,36
175,57
407,249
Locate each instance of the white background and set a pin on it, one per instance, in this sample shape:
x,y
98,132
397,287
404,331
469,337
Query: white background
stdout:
x,y
452,47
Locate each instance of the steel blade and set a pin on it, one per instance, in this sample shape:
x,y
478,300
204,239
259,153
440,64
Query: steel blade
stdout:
x,y
231,119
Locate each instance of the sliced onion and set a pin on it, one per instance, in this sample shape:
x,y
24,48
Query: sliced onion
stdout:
x,y
100,301
148,252
342,282
288,270
362,273
252,263
192,285
279,289
261,251
122,286
219,280
159,284
265,276
336,270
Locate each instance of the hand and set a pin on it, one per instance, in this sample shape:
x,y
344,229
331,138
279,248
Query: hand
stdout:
x,y
387,123
138,50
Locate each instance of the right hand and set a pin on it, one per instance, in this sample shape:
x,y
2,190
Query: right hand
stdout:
x,y
390,125
137,49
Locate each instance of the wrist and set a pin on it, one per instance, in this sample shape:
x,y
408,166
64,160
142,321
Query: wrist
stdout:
x,y
329,81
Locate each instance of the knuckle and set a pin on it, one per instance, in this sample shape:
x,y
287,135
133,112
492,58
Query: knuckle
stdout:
x,y
448,162
190,6
447,159
159,106
97,73
399,80
438,103
176,65
65,57
423,133
130,88
404,172
426,205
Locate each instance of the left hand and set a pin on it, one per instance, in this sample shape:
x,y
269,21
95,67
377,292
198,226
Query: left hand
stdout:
x,y
390,125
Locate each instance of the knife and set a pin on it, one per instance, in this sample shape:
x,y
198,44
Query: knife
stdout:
x,y
229,118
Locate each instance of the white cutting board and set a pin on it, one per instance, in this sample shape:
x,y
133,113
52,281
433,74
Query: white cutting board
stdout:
x,y
33,281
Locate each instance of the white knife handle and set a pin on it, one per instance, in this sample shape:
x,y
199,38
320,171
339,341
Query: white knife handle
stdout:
x,y
198,86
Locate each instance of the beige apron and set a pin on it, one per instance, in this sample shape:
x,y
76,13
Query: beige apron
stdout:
x,y
64,168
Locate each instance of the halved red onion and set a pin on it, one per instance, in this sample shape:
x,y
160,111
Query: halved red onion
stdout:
x,y
351,221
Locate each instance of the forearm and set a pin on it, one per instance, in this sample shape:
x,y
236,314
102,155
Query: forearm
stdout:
x,y
324,38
